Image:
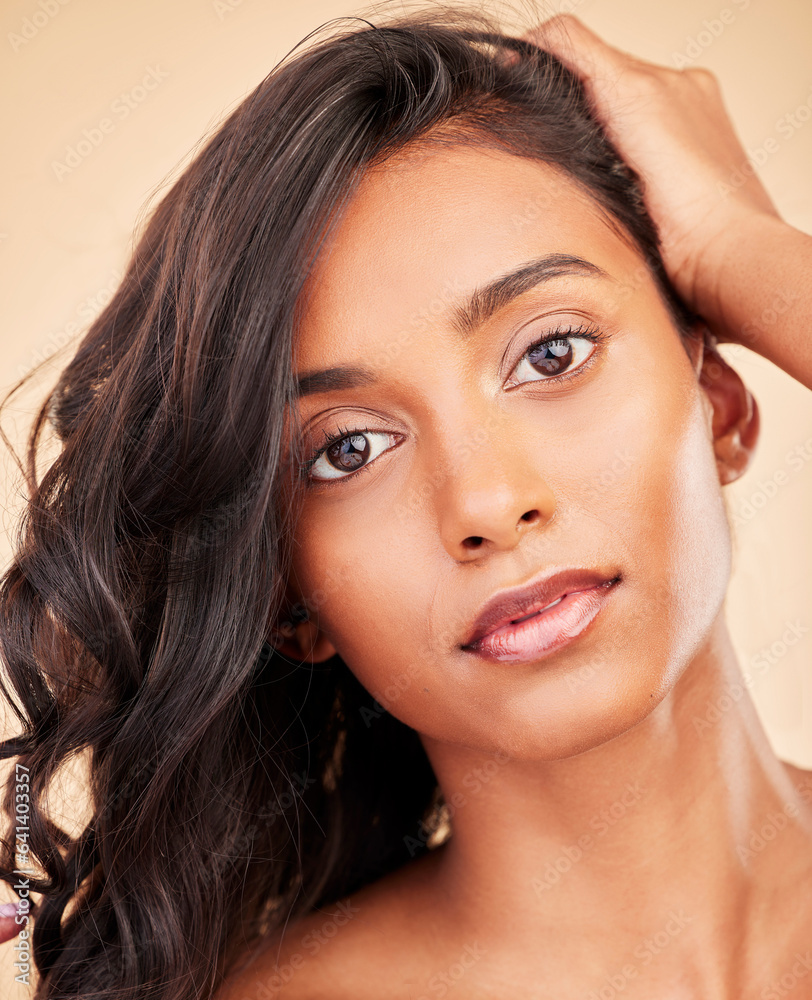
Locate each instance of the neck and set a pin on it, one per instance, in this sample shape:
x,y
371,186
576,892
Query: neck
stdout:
x,y
662,847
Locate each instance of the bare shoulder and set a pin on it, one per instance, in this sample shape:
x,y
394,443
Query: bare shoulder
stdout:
x,y
373,943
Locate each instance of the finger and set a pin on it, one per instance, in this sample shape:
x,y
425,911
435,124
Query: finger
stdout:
x,y
580,49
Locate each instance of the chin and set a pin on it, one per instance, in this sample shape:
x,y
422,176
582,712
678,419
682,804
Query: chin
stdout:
x,y
586,698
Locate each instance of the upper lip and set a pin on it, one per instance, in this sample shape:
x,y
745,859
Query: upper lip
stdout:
x,y
518,602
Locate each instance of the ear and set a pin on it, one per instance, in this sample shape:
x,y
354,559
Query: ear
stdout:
x,y
296,636
735,417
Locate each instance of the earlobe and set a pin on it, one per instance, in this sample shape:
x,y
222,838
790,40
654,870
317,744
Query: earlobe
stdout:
x,y
304,642
314,644
735,418
294,633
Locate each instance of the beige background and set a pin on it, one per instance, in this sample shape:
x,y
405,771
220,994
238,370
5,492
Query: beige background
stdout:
x,y
162,72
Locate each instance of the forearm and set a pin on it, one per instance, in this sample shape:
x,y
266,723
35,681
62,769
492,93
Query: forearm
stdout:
x,y
760,294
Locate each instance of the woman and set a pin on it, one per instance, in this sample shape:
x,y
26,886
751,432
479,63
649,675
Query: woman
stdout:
x,y
400,381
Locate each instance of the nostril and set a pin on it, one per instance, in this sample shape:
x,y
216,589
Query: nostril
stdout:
x,y
531,516
473,541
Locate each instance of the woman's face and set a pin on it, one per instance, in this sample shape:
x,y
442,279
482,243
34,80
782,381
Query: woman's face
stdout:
x,y
480,466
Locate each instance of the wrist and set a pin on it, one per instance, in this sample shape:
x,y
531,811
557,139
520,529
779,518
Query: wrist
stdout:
x,y
727,267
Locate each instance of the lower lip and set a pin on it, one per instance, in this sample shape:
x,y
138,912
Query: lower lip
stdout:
x,y
546,631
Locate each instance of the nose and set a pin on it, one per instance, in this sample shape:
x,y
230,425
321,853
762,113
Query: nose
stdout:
x,y
492,490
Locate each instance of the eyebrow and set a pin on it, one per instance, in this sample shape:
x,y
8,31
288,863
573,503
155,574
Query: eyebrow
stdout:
x,y
467,317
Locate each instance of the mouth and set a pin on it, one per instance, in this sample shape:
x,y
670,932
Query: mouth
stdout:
x,y
524,625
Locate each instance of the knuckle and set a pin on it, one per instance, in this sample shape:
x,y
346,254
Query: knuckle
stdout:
x,y
566,21
704,77
648,78
565,25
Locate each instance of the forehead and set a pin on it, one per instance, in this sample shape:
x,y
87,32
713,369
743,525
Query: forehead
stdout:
x,y
428,226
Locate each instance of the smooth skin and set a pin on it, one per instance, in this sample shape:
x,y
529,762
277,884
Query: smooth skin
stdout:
x,y
608,799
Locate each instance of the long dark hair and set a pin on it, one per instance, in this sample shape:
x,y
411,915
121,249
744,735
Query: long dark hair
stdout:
x,y
231,788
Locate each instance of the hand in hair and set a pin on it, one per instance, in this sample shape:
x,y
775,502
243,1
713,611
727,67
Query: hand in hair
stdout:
x,y
672,127
727,250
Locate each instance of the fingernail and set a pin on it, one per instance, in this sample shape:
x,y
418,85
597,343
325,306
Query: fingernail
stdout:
x,y
8,909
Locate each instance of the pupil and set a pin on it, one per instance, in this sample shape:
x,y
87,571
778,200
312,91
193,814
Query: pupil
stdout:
x,y
552,357
349,453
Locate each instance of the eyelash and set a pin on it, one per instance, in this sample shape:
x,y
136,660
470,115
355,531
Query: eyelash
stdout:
x,y
329,438
588,332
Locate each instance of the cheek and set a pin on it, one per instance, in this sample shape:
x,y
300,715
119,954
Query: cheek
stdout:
x,y
384,617
687,525
369,578
651,490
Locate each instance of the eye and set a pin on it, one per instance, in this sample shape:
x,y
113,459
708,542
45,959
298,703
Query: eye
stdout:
x,y
558,355
346,452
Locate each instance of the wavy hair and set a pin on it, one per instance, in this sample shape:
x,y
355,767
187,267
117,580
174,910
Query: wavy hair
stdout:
x,y
232,789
